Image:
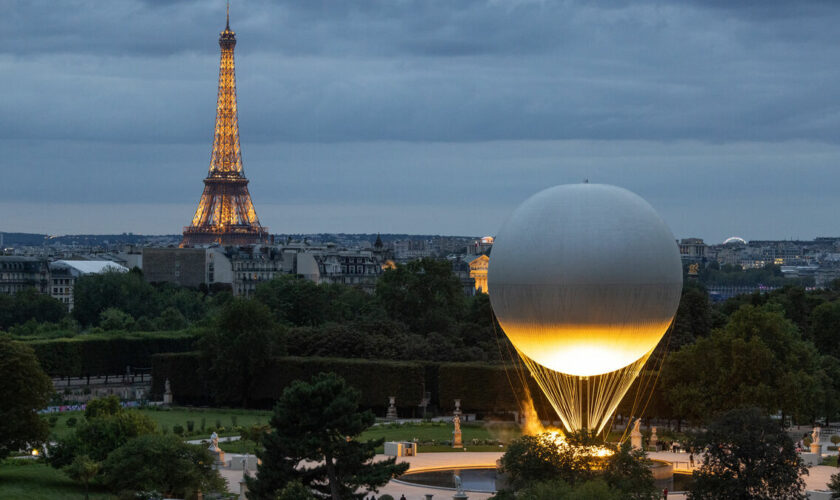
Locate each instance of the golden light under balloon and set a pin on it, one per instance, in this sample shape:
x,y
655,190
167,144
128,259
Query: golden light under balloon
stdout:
x,y
585,280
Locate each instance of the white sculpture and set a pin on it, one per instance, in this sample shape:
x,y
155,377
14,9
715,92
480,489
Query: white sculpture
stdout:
x,y
214,442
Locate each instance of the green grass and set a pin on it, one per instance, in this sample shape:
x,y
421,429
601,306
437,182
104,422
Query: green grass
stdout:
x,y
239,446
439,431
37,481
169,418
425,433
832,461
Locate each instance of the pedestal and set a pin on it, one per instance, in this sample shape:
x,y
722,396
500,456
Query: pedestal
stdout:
x,y
460,496
636,441
392,408
816,448
167,398
456,440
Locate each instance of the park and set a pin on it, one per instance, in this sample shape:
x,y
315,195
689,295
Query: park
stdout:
x,y
594,376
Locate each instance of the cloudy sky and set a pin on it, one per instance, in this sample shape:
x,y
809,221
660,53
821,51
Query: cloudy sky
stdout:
x,y
423,116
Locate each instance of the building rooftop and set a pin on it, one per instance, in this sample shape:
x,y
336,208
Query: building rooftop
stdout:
x,y
91,266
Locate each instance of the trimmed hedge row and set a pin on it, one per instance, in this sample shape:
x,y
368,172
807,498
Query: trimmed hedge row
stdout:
x,y
377,380
484,387
481,387
103,354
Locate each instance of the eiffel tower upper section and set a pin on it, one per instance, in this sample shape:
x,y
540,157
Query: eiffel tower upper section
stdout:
x,y
225,213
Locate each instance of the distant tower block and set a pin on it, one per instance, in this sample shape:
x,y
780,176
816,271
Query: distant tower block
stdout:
x,y
225,213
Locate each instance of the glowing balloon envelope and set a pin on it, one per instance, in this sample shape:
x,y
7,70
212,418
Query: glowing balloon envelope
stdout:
x,y
585,279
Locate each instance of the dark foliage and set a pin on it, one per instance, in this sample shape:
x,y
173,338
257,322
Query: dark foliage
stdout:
x,y
318,421
24,389
748,456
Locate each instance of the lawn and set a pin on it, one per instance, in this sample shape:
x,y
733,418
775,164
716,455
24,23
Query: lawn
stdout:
x,y
430,435
436,432
36,481
169,418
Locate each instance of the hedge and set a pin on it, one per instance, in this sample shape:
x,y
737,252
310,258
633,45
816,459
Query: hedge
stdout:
x,y
377,380
483,387
104,354
183,370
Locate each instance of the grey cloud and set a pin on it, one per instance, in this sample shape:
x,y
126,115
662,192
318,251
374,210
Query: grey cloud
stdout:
x,y
704,108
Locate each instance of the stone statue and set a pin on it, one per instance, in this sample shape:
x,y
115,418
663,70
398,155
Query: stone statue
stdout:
x,y
167,393
459,486
654,439
456,434
218,454
816,446
392,408
636,436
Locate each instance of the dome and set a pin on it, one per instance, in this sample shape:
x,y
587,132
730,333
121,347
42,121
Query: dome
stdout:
x,y
585,278
735,240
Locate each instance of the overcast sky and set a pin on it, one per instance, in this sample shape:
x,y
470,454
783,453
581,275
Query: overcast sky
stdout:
x,y
423,116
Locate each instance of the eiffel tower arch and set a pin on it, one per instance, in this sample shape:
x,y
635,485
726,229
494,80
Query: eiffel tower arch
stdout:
x,y
225,213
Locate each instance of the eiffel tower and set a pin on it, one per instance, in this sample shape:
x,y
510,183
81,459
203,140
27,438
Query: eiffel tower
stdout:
x,y
225,213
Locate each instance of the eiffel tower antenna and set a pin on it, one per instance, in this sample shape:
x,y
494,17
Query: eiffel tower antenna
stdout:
x,y
225,213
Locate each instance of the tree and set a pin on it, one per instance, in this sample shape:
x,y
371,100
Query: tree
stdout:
x,y
103,407
318,421
24,389
541,467
748,456
29,305
628,473
83,470
107,427
539,458
128,292
161,463
171,319
834,485
242,346
424,294
694,317
113,319
757,359
825,323
294,490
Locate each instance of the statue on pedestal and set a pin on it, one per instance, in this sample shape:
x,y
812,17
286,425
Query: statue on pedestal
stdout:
x,y
459,488
456,434
457,408
392,408
816,446
218,454
636,436
167,393
654,439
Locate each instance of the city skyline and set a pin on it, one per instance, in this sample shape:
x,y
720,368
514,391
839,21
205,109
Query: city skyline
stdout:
x,y
423,118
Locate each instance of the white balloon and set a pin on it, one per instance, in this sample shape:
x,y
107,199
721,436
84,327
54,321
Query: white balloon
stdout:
x,y
585,278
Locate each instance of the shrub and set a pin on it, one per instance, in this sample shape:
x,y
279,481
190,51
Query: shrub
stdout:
x,y
52,420
178,429
190,425
203,422
71,422
233,420
95,354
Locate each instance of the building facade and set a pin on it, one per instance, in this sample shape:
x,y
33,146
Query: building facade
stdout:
x,y
18,273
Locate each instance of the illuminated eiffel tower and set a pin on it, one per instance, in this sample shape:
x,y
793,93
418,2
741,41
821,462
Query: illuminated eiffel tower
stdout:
x,y
225,213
